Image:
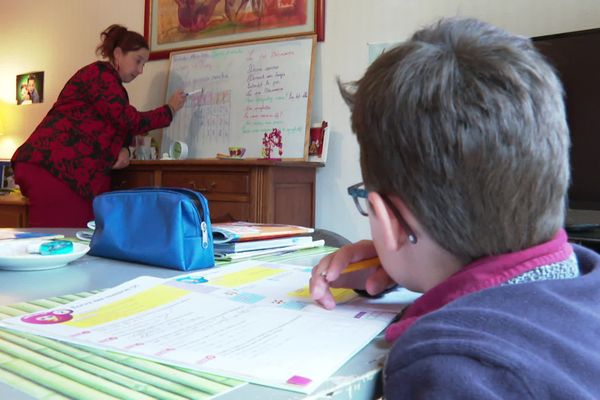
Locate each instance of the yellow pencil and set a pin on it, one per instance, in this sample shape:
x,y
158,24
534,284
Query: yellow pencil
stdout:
x,y
362,264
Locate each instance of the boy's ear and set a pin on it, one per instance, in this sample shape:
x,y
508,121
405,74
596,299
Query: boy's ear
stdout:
x,y
394,236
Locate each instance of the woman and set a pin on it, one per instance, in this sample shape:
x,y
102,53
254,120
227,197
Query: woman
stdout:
x,y
68,158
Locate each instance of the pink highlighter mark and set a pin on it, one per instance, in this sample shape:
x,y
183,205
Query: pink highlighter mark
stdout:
x,y
299,380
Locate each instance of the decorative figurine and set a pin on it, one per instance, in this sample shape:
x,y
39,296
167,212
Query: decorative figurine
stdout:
x,y
270,141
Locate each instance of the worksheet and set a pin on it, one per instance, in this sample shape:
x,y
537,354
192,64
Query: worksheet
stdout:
x,y
252,321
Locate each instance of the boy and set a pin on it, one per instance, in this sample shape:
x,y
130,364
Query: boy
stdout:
x,y
464,154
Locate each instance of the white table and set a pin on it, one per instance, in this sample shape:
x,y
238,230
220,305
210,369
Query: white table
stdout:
x,y
358,378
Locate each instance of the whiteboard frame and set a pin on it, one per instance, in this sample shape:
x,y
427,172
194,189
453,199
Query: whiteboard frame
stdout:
x,y
307,123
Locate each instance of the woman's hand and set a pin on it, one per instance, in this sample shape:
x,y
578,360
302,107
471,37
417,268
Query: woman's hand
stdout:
x,y
328,273
122,159
177,100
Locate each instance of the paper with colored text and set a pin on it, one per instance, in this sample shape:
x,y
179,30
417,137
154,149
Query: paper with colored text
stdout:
x,y
252,321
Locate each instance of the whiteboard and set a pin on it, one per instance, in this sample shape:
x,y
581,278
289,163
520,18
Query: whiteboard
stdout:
x,y
239,93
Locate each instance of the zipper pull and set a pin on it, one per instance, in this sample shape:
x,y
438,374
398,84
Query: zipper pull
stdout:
x,y
204,234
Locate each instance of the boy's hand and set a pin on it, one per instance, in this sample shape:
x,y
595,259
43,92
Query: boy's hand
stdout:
x,y
328,273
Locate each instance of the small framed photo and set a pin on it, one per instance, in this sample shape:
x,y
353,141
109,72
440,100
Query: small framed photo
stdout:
x,y
30,88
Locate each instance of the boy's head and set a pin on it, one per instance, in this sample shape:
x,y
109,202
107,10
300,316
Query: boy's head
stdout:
x,y
24,92
465,123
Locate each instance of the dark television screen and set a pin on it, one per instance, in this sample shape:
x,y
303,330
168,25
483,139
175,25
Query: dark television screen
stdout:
x,y
576,57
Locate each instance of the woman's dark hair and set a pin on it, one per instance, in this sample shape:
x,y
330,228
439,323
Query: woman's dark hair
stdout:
x,y
118,36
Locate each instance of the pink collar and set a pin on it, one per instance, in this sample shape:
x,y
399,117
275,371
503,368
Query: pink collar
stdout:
x,y
481,274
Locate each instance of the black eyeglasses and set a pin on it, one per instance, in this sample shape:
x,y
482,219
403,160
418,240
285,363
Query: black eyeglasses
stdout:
x,y
360,196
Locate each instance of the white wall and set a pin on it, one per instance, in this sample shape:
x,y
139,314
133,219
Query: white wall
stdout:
x,y
59,36
351,24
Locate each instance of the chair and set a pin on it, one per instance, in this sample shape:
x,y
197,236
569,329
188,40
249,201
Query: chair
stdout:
x,y
331,238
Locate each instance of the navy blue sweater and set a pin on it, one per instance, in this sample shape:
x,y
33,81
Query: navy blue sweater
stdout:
x,y
536,340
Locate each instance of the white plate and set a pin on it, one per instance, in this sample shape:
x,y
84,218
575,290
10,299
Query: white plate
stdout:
x,y
14,256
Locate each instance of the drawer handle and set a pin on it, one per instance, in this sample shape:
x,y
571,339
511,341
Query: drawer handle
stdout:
x,y
192,185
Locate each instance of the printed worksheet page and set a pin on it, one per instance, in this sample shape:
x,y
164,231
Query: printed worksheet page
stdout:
x,y
253,321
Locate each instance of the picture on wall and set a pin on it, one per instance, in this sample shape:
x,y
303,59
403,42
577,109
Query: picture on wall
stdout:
x,y
183,24
30,88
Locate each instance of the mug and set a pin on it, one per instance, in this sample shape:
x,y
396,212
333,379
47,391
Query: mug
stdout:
x,y
235,151
317,136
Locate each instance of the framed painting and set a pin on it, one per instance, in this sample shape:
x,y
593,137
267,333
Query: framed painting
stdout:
x,y
30,88
171,25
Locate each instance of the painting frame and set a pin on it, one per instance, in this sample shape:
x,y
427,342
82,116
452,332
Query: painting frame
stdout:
x,y
192,35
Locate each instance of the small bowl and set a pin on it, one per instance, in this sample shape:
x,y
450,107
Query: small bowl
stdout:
x,y
235,151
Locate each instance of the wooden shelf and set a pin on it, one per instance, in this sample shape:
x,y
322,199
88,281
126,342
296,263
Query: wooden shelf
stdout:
x,y
278,192
246,190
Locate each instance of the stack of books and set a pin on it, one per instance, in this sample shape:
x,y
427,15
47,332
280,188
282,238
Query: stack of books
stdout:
x,y
240,240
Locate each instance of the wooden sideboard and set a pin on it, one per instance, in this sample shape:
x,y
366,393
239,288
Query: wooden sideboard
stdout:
x,y
237,190
13,211
281,192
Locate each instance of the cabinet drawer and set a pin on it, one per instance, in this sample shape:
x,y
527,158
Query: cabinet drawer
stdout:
x,y
13,211
127,179
209,183
13,216
223,211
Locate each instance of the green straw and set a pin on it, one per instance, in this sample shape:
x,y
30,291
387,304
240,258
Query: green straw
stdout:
x,y
157,386
26,386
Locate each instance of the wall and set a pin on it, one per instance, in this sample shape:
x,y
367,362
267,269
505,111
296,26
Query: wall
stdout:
x,y
59,36
351,24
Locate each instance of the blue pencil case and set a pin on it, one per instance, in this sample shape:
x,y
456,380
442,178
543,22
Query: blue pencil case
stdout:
x,y
166,227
